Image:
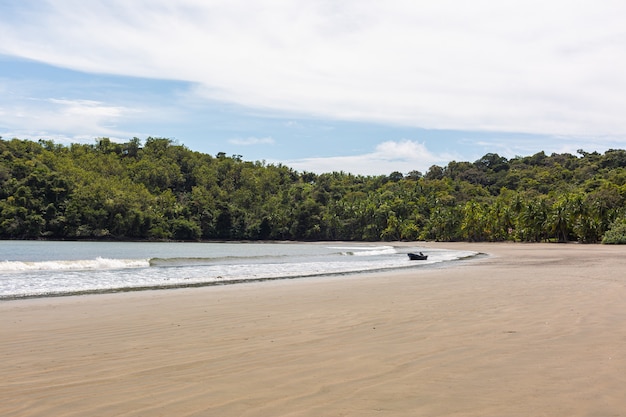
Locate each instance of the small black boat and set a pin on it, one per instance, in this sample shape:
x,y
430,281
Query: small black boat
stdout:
x,y
417,256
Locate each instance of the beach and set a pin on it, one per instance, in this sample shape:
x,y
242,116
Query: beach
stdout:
x,y
527,330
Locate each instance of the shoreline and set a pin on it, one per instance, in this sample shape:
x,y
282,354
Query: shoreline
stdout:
x,y
532,329
234,280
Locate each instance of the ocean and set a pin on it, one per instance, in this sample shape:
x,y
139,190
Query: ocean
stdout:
x,y
50,268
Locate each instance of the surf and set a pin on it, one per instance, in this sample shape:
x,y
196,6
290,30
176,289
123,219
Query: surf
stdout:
x,y
98,263
42,269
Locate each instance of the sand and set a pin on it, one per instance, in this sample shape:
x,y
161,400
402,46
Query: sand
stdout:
x,y
532,330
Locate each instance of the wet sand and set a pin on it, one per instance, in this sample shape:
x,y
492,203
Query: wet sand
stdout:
x,y
532,330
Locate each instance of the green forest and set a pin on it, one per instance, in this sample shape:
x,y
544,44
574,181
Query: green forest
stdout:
x,y
160,190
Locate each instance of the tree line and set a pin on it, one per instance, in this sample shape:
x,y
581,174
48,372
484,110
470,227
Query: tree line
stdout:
x,y
160,190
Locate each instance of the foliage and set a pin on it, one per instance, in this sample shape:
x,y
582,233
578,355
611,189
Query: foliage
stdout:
x,y
616,234
162,190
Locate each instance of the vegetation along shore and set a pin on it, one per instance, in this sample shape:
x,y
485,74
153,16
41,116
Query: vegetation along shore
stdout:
x,y
160,190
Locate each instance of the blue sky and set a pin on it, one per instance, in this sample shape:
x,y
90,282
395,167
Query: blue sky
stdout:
x,y
361,86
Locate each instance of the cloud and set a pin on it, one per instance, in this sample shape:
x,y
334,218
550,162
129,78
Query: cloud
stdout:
x,y
59,119
532,66
403,156
250,141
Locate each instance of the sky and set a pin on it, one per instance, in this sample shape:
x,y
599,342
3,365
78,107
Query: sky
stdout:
x,y
361,86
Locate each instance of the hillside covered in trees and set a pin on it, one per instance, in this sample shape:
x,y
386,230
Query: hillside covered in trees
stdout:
x,y
160,190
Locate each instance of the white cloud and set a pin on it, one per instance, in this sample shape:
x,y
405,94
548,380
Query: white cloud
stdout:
x,y
59,119
519,66
390,156
250,141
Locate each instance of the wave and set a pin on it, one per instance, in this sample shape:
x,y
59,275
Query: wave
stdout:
x,y
101,263
199,261
365,253
73,265
105,263
22,279
365,250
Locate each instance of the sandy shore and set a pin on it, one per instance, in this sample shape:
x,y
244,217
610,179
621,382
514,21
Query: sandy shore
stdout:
x,y
533,330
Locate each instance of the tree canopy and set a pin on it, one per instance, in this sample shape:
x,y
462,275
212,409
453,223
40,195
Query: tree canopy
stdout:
x,y
160,190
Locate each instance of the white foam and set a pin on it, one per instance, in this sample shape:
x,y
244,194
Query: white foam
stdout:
x,y
366,250
375,252
73,265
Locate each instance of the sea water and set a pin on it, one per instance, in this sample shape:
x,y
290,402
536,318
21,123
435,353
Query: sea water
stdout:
x,y
46,268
